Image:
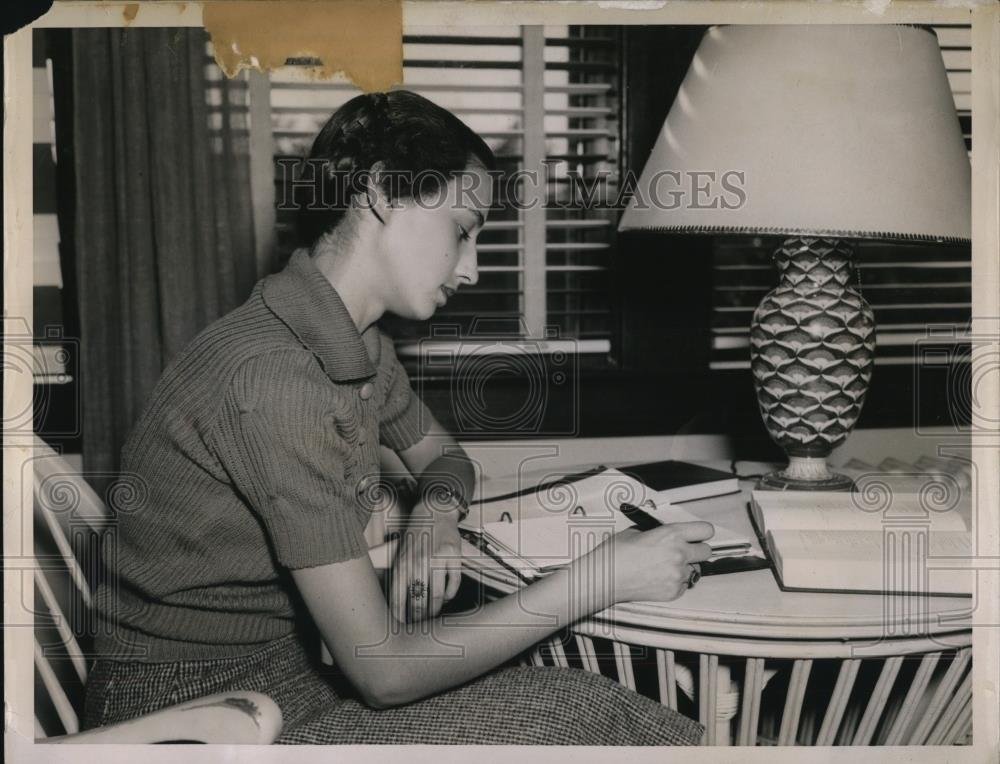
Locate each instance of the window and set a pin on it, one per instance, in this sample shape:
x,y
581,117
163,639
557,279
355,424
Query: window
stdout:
x,y
649,329
912,288
49,355
546,99
48,347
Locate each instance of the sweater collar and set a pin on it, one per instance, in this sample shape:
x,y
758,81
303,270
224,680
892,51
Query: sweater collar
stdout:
x,y
308,304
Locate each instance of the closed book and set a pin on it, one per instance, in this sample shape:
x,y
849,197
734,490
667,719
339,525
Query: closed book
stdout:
x,y
836,542
677,482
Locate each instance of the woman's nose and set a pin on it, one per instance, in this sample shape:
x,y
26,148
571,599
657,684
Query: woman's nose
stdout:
x,y
468,266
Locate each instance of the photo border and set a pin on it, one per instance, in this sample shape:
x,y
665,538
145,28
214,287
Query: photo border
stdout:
x,y
985,19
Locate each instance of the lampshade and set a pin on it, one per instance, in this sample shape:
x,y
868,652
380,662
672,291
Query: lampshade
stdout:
x,y
845,131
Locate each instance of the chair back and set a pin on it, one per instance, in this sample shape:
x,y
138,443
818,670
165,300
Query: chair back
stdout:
x,y
68,520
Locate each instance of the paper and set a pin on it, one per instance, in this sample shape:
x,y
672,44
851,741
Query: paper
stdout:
x,y
813,510
898,559
553,541
595,497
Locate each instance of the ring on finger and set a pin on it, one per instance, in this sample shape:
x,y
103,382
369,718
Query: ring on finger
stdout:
x,y
694,577
417,589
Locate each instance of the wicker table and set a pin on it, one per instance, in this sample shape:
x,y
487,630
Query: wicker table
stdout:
x,y
758,666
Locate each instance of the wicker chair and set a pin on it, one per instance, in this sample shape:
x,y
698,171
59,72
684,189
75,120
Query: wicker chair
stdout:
x,y
69,521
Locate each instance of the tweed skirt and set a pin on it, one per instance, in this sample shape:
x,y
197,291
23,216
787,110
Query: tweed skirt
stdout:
x,y
509,706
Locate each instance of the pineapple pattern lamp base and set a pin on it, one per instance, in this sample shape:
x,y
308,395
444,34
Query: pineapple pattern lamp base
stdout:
x,y
812,351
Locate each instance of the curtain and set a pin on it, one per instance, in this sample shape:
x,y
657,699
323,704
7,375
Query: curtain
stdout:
x,y
163,222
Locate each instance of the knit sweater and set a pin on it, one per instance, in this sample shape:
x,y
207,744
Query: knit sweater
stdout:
x,y
256,454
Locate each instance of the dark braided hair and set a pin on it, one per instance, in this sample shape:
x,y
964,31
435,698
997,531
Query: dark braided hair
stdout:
x,y
408,136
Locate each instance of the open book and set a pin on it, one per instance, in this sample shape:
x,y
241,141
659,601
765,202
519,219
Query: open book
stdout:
x,y
833,541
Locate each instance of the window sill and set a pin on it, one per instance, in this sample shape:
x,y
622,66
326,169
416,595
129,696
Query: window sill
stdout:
x,y
500,346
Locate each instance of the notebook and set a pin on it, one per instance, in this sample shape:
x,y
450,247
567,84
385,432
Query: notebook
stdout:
x,y
538,545
543,527
649,483
595,493
678,482
833,542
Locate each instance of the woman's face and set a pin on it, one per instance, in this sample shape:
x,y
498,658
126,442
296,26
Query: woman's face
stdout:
x,y
430,244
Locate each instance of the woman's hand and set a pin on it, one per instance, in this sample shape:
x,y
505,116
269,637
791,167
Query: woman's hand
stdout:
x,y
649,565
428,567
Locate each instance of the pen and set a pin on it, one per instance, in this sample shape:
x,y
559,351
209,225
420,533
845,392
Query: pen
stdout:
x,y
741,547
497,555
644,521
480,542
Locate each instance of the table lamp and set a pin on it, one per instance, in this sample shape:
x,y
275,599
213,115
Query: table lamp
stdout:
x,y
821,136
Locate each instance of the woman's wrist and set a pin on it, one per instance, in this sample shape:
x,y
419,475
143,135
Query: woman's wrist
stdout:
x,y
447,504
444,489
596,583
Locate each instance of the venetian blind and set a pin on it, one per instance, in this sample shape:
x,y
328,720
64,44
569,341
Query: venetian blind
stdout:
x,y
546,100
917,291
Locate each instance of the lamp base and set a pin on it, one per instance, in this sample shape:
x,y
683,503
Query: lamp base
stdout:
x,y
805,473
812,351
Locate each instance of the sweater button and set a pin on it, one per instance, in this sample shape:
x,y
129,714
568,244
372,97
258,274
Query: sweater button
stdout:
x,y
366,391
365,484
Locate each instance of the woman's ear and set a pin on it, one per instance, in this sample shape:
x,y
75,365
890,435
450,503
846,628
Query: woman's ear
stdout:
x,y
371,194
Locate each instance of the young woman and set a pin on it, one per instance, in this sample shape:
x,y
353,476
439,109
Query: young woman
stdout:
x,y
258,454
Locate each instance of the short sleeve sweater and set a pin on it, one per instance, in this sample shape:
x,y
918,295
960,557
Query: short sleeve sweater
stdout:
x,y
254,456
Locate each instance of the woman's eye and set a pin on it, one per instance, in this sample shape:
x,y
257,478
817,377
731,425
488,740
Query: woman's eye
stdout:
x,y
464,235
